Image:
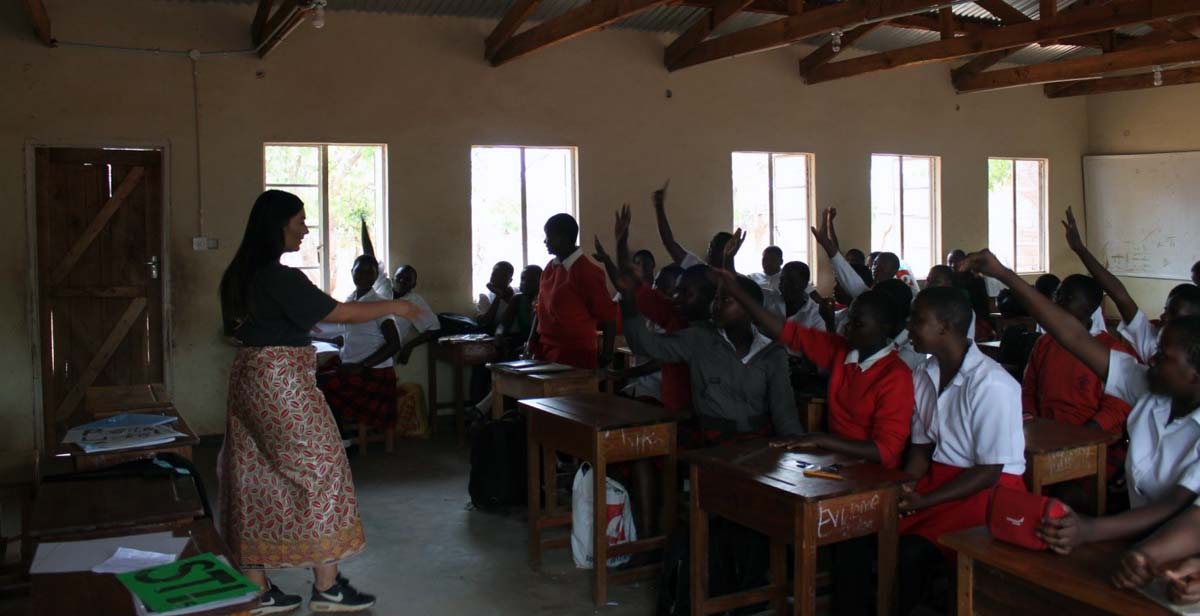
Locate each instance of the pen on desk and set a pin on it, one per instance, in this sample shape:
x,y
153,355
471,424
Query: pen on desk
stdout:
x,y
822,474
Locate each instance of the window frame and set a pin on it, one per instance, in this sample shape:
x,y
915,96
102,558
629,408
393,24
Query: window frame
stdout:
x,y
935,205
380,243
1043,211
810,245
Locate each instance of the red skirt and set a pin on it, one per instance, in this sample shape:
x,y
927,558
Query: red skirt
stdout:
x,y
950,516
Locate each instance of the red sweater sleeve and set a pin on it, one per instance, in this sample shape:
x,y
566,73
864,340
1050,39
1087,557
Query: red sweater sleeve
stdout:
x,y
654,306
820,347
595,292
1029,384
893,414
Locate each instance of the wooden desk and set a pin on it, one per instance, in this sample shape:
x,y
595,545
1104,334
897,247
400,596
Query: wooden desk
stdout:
x,y
508,382
1056,452
599,429
761,487
181,445
70,594
87,507
813,415
998,578
990,348
459,352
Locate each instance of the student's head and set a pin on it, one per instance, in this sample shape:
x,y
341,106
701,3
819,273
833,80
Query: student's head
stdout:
x,y
668,279
772,260
275,226
939,315
364,271
954,257
1079,295
871,322
716,248
406,280
901,299
855,256
871,258
841,295
531,280
1196,273
728,312
502,274
561,233
694,293
793,282
940,276
1182,301
885,267
1047,284
643,264
1175,368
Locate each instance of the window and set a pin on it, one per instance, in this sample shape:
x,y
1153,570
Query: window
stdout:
x,y
904,209
1017,213
772,197
341,185
514,190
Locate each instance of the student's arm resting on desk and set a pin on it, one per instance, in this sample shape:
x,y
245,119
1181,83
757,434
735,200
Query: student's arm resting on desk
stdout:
x,y
1175,540
1111,285
1063,534
971,481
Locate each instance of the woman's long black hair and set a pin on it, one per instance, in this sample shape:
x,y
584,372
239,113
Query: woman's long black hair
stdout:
x,y
261,245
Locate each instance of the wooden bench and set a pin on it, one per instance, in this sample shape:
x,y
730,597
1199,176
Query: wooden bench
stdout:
x,y
522,380
1056,452
599,429
460,352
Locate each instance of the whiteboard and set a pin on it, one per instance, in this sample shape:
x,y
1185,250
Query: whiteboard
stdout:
x,y
1143,213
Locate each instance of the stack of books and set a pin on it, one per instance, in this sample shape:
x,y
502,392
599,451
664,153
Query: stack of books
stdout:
x,y
123,431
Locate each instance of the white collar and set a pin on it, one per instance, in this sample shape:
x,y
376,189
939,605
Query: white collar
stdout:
x,y
973,359
864,365
757,343
571,259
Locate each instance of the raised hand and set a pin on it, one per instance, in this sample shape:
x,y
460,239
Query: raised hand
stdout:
x,y
732,247
660,195
601,255
823,233
1074,240
983,262
621,226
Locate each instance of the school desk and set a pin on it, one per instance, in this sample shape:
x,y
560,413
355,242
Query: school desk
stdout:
x,y
84,508
999,578
521,383
761,487
601,430
1056,452
83,592
460,352
813,414
134,399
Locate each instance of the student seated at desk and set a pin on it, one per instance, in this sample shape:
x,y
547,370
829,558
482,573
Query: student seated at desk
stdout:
x,y
1162,468
516,322
772,267
1172,553
800,306
425,327
490,306
883,265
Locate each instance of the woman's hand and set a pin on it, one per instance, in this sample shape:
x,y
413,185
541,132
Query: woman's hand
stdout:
x,y
621,226
1065,533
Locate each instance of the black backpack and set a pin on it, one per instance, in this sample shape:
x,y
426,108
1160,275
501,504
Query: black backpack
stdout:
x,y
498,459
738,559
452,324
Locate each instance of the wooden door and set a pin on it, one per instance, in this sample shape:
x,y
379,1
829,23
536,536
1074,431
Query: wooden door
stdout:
x,y
100,274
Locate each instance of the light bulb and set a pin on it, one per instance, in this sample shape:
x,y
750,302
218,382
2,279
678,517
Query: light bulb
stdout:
x,y
837,41
1157,75
318,19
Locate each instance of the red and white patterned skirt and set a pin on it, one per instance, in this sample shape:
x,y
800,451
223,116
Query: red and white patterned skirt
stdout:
x,y
286,495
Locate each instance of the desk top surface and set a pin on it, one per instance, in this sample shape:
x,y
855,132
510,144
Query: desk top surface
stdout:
x,y
1045,435
776,467
84,592
601,411
539,370
97,505
1082,575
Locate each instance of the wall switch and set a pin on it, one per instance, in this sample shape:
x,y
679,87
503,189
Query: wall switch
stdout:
x,y
200,243
213,243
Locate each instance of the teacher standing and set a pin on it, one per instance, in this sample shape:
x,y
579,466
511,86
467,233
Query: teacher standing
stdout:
x,y
286,496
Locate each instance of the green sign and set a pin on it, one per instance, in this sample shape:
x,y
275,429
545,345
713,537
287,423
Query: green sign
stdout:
x,y
188,582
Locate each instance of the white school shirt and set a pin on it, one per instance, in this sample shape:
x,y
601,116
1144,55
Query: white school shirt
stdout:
x,y
976,420
757,343
1141,334
808,315
904,348
363,339
846,277
993,286
773,301
425,320
484,302
690,259
1162,453
766,281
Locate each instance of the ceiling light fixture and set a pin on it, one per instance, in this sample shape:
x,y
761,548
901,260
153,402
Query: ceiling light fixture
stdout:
x,y
1157,75
837,41
318,8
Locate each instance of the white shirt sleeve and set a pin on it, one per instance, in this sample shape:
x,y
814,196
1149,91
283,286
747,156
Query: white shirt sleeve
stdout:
x,y
1140,333
993,286
382,285
1127,378
773,301
996,422
925,400
971,328
849,279
483,304
690,259
426,320
1190,478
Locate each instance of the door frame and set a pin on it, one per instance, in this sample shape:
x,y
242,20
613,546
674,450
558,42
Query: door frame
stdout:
x,y
32,304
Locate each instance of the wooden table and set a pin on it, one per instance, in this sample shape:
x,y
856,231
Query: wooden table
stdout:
x,y
761,487
601,430
460,352
87,507
999,578
181,445
1056,452
813,416
511,382
83,592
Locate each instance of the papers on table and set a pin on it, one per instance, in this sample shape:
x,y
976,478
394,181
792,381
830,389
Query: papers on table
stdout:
x,y
70,556
97,439
129,559
545,368
1157,590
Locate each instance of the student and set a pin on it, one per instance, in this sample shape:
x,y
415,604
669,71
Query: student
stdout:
x,y
680,255
1171,553
1046,284
901,296
800,307
884,266
644,265
491,304
772,265
668,279
517,319
418,331
855,256
955,257
939,276
573,303
1162,469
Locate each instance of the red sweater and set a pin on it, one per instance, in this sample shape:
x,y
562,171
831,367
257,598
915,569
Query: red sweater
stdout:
x,y
676,381
1058,386
570,304
873,405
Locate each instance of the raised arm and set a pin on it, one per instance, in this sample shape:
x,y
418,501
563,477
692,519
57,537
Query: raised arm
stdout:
x,y
1065,328
769,322
664,226
826,236
621,235
367,246
1111,285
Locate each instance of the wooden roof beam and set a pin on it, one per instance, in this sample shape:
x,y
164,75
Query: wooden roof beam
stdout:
x,y
594,15
1003,11
507,26
1080,68
983,62
697,32
261,14
932,23
289,16
826,52
1075,23
1121,84
36,9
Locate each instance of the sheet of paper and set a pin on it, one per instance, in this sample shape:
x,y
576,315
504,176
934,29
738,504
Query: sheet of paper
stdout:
x,y
129,559
1157,590
69,556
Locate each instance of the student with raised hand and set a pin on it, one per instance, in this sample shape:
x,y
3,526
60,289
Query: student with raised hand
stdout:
x,y
1135,325
680,255
772,267
800,306
1163,464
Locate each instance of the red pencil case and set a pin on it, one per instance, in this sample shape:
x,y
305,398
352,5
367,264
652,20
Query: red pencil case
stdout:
x,y
1014,516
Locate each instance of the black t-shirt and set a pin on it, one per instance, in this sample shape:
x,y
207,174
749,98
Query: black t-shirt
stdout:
x,y
284,307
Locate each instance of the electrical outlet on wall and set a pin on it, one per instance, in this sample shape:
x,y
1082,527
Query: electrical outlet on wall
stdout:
x,y
200,242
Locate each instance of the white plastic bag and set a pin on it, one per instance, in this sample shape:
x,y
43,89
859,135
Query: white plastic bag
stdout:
x,y
620,518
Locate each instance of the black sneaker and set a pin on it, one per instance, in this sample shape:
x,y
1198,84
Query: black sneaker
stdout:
x,y
275,601
341,597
